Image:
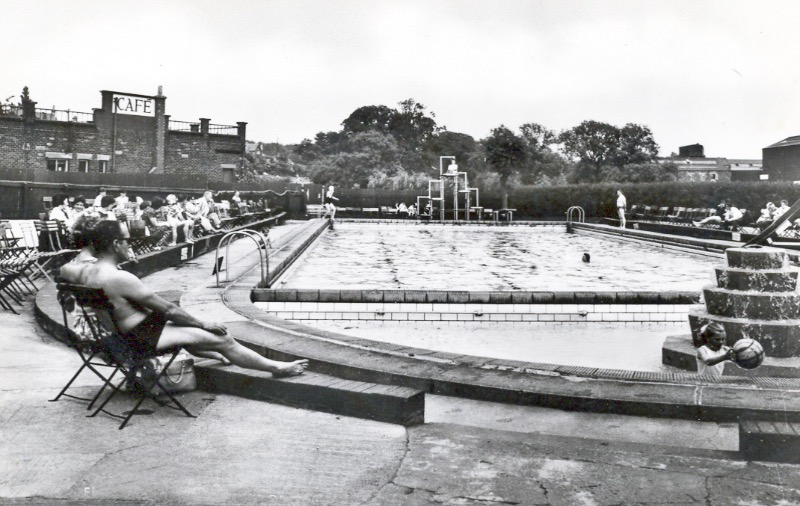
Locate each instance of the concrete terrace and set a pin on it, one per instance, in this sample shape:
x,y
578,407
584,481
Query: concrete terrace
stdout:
x,y
494,431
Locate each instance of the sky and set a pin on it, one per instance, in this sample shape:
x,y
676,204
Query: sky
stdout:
x,y
721,73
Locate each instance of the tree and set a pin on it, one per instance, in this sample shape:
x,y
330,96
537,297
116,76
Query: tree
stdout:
x,y
636,146
593,144
652,172
505,154
462,146
371,117
600,147
411,126
543,165
359,159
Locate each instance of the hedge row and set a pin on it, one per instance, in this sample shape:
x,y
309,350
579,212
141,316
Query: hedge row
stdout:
x,y
598,200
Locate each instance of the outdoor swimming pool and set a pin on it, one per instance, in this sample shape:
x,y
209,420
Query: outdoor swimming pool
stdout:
x,y
474,258
433,286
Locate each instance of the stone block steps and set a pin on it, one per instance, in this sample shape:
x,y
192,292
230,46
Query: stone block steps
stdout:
x,y
320,392
755,297
779,338
770,441
767,280
679,352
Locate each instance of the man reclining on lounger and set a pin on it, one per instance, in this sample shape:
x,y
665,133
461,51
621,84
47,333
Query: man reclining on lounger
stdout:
x,y
148,322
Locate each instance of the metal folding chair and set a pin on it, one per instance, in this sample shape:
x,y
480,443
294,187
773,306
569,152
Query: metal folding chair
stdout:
x,y
86,335
107,346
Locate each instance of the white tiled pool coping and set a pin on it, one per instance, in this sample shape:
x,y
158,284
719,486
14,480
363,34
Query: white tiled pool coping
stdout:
x,y
405,311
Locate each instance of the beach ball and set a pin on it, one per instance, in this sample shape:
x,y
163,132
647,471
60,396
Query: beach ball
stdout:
x,y
748,353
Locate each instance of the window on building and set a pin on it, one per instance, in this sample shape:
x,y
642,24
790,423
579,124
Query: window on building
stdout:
x,y
58,165
712,176
83,165
102,166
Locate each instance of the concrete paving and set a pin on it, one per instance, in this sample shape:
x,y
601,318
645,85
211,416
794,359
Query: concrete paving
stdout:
x,y
239,451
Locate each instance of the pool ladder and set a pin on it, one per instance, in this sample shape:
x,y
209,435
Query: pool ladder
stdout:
x,y
573,210
261,244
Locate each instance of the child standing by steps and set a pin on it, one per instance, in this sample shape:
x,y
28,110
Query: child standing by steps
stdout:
x,y
712,355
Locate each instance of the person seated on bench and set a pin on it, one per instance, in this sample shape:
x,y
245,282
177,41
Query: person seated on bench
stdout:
x,y
767,215
61,211
149,323
208,209
730,218
176,218
781,209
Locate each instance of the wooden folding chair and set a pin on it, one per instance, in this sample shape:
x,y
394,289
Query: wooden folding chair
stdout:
x,y
105,337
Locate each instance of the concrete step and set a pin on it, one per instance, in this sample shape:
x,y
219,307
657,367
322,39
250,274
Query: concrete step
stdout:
x,y
770,441
320,392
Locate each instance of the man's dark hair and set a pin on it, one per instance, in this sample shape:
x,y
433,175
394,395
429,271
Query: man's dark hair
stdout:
x,y
59,199
105,233
107,201
144,205
79,198
158,203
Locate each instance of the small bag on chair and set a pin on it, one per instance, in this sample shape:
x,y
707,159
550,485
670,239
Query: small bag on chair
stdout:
x,y
180,375
178,378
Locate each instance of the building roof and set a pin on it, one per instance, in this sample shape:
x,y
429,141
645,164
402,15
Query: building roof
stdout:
x,y
789,141
744,165
697,163
687,164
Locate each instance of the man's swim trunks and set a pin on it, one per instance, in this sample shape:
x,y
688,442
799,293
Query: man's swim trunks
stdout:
x,y
143,338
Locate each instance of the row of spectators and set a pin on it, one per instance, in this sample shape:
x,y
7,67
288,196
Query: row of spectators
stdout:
x,y
167,218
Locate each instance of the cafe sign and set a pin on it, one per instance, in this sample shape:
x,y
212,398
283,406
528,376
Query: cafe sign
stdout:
x,y
131,104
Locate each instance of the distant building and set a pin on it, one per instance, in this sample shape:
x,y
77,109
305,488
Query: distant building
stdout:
x,y
782,160
693,165
130,133
692,151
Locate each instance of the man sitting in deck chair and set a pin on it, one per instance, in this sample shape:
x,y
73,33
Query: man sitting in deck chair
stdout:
x,y
147,322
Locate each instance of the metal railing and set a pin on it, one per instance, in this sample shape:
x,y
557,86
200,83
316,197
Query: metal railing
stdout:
x,y
223,129
64,115
187,126
183,126
11,110
261,243
576,209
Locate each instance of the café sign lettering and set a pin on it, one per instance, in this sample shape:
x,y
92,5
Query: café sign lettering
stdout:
x,y
138,106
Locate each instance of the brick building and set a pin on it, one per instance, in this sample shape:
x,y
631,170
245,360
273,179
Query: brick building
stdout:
x,y
130,133
782,159
693,165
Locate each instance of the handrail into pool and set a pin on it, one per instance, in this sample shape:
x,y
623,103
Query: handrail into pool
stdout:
x,y
263,257
580,211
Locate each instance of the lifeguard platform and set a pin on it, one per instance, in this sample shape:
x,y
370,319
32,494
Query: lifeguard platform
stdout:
x,y
436,200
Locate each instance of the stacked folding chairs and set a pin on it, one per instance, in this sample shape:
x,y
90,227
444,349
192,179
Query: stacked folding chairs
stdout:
x,y
22,263
91,331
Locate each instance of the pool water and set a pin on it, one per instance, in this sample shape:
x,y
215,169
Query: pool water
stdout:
x,y
541,258
635,347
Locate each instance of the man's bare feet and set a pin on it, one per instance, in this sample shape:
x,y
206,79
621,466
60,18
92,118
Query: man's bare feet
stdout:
x,y
290,369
